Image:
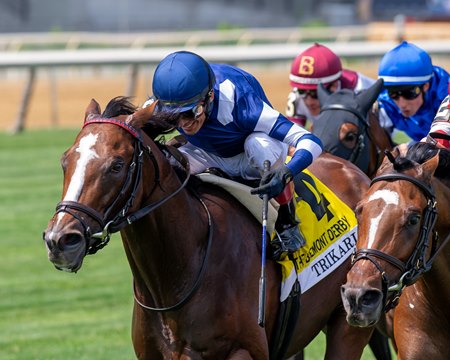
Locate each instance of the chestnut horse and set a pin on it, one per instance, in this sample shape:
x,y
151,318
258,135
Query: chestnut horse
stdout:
x,y
402,258
348,128
193,249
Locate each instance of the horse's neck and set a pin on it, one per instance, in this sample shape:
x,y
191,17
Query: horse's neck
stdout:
x,y
379,135
379,141
437,279
442,192
167,244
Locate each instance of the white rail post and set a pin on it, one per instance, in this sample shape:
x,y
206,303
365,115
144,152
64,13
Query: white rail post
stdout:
x,y
132,80
28,90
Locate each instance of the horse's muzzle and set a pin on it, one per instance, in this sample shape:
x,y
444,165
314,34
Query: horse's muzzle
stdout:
x,y
66,250
363,306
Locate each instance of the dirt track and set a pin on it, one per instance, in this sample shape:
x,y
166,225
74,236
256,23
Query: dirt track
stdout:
x,y
73,95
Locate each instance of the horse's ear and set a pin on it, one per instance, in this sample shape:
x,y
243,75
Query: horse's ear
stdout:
x,y
92,109
142,116
429,167
367,97
388,160
322,93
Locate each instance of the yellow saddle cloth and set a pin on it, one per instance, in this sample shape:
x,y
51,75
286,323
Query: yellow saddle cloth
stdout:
x,y
330,229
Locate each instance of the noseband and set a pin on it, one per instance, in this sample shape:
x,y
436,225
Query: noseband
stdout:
x,y
112,223
417,263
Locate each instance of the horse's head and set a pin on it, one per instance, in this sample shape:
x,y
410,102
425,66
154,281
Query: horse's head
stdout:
x,y
343,125
101,179
396,221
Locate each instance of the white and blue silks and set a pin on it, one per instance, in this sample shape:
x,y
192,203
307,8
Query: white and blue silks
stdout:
x,y
417,126
243,130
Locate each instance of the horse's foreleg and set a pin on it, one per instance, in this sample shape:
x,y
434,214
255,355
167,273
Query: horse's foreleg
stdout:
x,y
345,341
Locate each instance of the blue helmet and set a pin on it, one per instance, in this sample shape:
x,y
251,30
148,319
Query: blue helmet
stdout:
x,y
406,64
181,80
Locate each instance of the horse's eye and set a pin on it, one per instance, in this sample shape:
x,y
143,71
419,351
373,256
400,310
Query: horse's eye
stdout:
x,y
350,137
414,220
117,166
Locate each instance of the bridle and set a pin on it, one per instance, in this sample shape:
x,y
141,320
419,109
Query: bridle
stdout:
x,y
417,264
112,223
109,222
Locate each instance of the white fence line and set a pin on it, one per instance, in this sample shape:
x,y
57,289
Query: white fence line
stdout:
x,y
73,40
228,54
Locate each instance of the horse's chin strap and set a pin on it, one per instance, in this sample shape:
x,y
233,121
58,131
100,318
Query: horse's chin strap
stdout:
x,y
417,263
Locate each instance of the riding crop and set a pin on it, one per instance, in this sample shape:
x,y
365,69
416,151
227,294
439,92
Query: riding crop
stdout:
x,y
262,279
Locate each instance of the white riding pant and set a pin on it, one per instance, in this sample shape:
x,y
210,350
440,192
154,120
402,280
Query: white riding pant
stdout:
x,y
248,165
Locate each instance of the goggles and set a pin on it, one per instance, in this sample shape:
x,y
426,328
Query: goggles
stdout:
x,y
313,93
196,111
305,93
408,93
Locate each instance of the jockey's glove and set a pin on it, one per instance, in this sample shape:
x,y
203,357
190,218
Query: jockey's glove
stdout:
x,y
273,182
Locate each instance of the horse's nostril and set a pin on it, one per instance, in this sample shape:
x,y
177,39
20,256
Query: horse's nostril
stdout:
x,y
50,244
68,240
370,297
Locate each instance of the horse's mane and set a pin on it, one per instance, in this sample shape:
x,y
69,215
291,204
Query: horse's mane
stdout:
x,y
161,123
421,152
120,105
158,124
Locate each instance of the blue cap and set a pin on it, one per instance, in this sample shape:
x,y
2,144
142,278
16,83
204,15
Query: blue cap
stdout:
x,y
181,80
406,64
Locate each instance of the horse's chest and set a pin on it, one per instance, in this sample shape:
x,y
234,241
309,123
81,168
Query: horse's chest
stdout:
x,y
184,345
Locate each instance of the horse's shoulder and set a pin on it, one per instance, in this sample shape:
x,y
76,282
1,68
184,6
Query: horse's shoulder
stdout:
x,y
342,177
332,168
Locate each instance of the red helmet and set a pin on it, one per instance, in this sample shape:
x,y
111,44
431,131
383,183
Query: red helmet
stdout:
x,y
317,64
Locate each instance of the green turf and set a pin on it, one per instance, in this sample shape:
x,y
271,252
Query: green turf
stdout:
x,y
44,313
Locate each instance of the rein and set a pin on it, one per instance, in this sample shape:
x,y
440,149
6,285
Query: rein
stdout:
x,y
417,264
200,275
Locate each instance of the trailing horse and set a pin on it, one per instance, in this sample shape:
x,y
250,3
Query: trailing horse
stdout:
x,y
193,249
349,129
402,259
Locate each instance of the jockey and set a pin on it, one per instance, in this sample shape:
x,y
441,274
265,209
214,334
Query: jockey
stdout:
x,y
318,64
230,124
414,89
439,133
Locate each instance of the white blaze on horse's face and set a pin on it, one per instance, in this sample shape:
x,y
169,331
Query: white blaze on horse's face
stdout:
x,y
390,198
86,155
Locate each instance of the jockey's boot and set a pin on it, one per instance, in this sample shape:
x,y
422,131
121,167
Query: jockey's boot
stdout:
x,y
290,238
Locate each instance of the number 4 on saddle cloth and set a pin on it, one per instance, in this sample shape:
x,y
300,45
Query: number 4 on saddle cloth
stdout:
x,y
328,224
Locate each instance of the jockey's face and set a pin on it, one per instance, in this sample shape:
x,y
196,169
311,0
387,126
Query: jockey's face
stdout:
x,y
192,121
312,102
409,107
